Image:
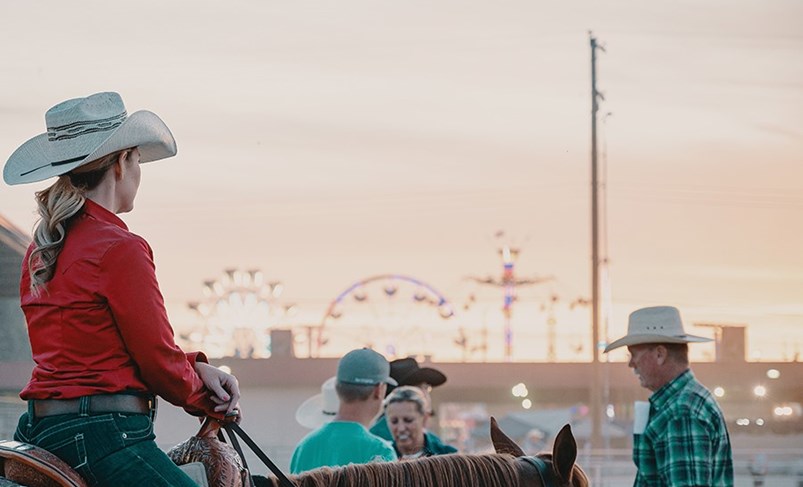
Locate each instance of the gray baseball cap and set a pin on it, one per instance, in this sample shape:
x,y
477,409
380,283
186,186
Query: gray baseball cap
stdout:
x,y
364,367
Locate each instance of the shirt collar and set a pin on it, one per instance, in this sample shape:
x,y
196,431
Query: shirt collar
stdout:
x,y
100,213
671,389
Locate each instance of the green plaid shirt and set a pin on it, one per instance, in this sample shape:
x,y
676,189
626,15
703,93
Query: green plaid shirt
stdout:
x,y
686,441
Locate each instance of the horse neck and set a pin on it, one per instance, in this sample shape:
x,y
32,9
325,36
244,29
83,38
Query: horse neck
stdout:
x,y
445,471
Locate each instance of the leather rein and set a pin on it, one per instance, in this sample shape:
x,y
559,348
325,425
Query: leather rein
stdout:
x,y
233,430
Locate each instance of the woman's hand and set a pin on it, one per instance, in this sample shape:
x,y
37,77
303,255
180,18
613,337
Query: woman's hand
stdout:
x,y
224,387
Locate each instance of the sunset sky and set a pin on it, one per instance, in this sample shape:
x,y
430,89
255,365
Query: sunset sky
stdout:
x,y
326,142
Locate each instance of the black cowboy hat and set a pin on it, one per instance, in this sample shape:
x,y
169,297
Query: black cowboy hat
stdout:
x,y
407,372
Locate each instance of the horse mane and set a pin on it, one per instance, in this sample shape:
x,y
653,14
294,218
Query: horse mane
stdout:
x,y
442,470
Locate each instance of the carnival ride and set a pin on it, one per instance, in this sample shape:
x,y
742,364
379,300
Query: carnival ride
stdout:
x,y
508,282
237,311
511,285
396,314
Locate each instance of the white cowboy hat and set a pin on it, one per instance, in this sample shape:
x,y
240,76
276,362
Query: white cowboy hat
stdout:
x,y
658,324
82,130
320,408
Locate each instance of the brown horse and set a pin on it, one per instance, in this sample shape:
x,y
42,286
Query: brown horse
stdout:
x,y
508,467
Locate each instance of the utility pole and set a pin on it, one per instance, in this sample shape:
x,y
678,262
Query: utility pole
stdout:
x,y
596,403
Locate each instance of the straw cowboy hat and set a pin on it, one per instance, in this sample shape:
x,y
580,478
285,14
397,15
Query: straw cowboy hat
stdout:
x,y
82,130
658,324
320,408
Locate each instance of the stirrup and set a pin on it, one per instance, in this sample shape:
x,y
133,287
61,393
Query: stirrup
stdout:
x,y
35,467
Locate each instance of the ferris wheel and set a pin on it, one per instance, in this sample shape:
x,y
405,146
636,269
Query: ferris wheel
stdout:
x,y
392,313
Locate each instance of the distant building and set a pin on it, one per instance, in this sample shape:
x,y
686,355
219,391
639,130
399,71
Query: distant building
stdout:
x,y
14,346
15,351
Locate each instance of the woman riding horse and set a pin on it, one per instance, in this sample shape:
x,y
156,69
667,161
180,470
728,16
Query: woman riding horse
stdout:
x,y
96,318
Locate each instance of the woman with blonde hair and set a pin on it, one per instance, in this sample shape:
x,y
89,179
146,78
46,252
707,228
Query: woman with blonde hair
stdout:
x,y
97,324
407,413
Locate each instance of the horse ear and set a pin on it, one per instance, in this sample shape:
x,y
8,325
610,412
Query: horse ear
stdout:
x,y
564,454
503,443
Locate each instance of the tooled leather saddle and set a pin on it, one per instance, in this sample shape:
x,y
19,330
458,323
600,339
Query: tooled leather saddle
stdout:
x,y
24,464
33,466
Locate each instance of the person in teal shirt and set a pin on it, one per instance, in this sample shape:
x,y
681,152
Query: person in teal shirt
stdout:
x,y
406,414
340,443
407,372
362,378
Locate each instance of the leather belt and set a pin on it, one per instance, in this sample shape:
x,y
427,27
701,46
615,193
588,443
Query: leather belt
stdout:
x,y
103,403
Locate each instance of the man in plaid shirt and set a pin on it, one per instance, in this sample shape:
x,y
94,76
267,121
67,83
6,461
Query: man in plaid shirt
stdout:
x,y
685,442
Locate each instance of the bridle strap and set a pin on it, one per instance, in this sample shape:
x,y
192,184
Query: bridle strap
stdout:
x,y
543,469
232,428
236,445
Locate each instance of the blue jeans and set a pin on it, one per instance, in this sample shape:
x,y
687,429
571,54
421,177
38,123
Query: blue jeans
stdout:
x,y
112,449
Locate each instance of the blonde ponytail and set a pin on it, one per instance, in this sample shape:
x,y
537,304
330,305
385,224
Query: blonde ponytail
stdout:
x,y
57,205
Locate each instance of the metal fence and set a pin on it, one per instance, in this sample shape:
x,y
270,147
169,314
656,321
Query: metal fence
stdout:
x,y
767,467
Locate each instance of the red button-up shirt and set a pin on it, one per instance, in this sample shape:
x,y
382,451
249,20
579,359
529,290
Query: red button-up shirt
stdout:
x,y
100,325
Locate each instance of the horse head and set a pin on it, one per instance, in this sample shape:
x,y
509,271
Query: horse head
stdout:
x,y
556,469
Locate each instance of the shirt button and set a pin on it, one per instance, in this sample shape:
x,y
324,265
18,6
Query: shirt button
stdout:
x,y
125,436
